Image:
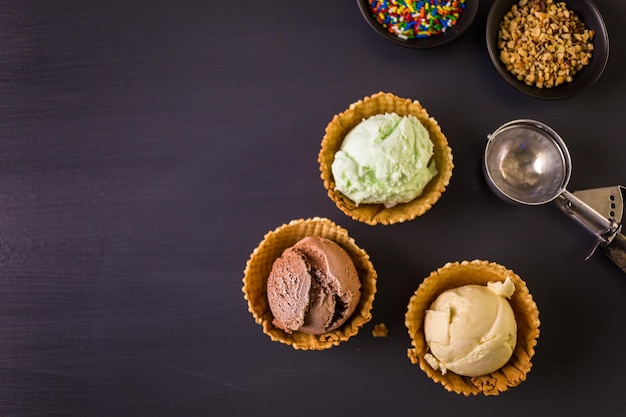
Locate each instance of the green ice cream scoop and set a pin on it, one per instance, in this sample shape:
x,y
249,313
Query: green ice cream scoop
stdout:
x,y
386,159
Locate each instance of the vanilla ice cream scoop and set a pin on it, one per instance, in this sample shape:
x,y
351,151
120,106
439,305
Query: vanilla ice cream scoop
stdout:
x,y
471,330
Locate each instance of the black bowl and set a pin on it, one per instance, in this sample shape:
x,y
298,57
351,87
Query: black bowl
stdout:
x,y
464,22
586,77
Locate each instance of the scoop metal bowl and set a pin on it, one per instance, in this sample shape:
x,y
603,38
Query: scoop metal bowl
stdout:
x,y
526,162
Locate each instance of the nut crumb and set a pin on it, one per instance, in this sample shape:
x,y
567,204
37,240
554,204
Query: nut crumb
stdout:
x,y
380,330
543,43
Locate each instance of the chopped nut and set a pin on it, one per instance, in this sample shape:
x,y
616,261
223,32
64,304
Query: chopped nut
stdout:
x,y
380,330
543,43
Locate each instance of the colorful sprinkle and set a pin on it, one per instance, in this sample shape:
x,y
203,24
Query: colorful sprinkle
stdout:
x,y
408,19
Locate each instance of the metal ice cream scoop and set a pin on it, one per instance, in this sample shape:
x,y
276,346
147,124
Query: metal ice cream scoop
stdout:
x,y
526,162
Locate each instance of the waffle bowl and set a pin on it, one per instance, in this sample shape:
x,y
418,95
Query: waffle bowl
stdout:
x,y
271,247
457,274
339,127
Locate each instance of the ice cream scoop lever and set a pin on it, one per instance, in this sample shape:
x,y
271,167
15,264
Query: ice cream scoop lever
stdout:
x,y
616,250
600,210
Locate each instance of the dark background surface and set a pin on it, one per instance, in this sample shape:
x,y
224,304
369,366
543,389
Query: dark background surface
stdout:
x,y
147,146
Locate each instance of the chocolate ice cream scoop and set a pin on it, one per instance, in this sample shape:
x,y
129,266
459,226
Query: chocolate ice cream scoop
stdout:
x,y
313,287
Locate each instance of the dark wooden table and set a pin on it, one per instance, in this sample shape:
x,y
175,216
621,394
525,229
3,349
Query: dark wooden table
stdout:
x,y
146,147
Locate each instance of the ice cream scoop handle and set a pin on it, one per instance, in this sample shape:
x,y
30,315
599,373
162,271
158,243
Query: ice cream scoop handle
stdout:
x,y
616,250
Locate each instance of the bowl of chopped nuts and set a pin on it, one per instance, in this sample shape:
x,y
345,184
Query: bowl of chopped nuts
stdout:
x,y
419,23
548,49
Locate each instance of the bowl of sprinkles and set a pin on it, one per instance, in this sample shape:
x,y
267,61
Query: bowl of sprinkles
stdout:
x,y
547,49
419,23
